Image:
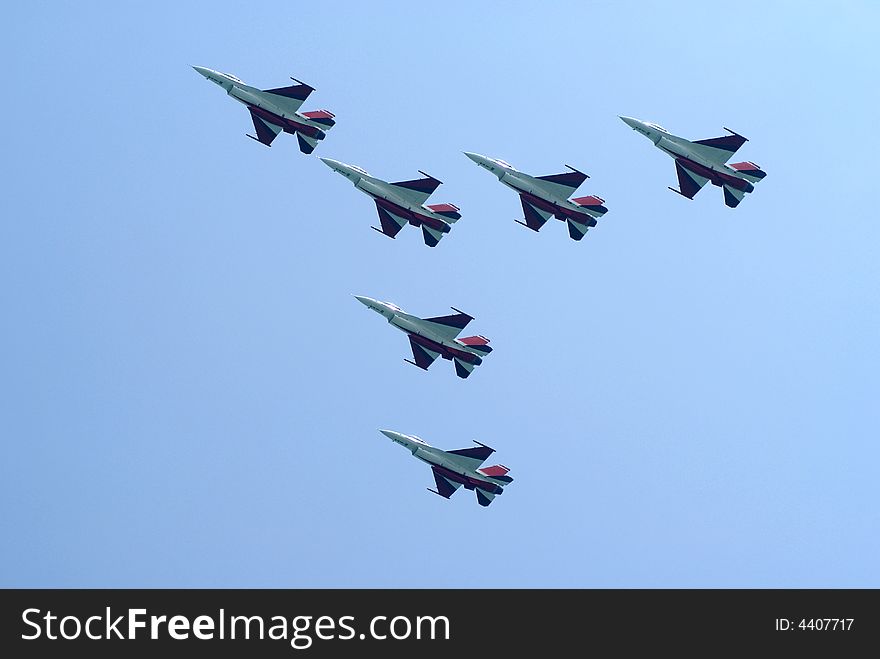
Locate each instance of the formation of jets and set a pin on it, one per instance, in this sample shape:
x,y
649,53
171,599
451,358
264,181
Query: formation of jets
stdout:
x,y
404,202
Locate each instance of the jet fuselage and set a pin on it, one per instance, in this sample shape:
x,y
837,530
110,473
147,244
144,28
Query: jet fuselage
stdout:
x,y
542,196
443,461
386,196
264,105
680,148
420,332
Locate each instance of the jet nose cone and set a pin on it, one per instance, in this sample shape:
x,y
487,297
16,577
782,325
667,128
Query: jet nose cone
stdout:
x,y
397,437
630,121
476,157
335,165
368,301
203,71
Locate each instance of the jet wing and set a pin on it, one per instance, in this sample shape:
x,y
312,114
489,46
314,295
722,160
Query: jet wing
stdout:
x,y
689,183
535,217
445,488
418,190
423,357
391,224
266,132
449,327
470,458
562,185
719,149
290,98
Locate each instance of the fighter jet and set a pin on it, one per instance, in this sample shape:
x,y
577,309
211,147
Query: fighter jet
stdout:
x,y
435,337
702,161
276,110
547,196
402,202
452,469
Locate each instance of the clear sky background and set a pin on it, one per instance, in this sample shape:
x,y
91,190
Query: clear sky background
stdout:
x,y
190,395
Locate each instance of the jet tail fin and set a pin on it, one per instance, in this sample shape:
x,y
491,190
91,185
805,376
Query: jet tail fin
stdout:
x,y
431,236
750,171
576,229
732,196
462,368
484,498
306,144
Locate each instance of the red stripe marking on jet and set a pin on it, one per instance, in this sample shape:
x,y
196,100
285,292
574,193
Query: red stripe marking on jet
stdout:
x,y
445,351
287,125
467,481
438,208
475,341
495,470
319,114
416,219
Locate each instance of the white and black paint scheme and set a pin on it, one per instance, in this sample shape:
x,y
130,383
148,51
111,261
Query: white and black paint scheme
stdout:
x,y
402,202
277,110
435,337
703,161
547,196
458,467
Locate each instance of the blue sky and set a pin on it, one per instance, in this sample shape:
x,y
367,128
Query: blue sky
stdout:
x,y
190,395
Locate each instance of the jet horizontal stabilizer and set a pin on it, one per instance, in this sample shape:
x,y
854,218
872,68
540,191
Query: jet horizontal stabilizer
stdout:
x,y
593,203
749,170
323,117
478,343
496,472
449,211
477,340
